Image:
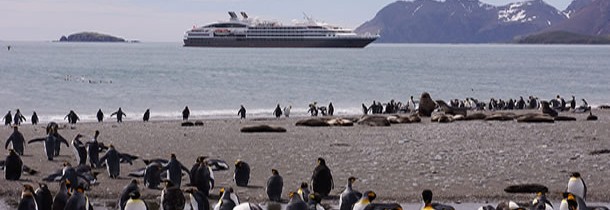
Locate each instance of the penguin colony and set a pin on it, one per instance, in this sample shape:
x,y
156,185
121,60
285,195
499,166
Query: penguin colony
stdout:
x,y
74,181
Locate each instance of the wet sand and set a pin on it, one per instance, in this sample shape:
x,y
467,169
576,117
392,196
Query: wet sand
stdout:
x,y
466,161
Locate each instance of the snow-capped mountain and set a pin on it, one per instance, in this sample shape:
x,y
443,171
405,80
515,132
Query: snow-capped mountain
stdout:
x,y
466,21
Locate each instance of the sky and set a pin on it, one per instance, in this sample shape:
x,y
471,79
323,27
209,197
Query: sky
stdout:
x,y
167,20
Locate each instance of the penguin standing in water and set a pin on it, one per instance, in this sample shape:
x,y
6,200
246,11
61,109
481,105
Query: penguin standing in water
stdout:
x,y
127,192
78,200
135,203
146,116
28,200
34,120
275,184
13,166
185,113
349,196
17,140
197,200
61,197
296,203
242,173
577,186
172,197
119,115
100,115
44,199
174,170
322,179
93,150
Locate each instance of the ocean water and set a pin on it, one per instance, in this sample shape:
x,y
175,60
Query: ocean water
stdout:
x,y
52,78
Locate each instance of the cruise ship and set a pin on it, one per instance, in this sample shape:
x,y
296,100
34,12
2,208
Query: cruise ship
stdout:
x,y
246,32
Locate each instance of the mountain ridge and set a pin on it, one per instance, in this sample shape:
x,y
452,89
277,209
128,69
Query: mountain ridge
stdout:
x,y
472,21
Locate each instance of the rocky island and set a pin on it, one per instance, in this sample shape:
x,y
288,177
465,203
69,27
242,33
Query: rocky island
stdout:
x,y
90,37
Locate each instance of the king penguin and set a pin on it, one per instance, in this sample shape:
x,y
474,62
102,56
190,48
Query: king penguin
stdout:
x,y
78,200
17,141
303,192
228,200
349,196
570,202
44,198
61,197
197,200
242,173
79,149
314,202
366,199
93,150
428,205
112,158
146,116
135,203
13,166
172,197
174,170
296,203
28,201
577,186
100,116
322,179
541,202
126,193
275,184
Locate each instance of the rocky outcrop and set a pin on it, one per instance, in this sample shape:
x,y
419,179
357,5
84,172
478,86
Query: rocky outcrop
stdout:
x,y
90,37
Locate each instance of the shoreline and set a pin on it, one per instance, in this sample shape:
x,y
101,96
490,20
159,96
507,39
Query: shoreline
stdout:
x,y
469,161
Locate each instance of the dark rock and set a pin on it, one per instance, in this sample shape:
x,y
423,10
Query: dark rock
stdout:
x,y
262,129
526,188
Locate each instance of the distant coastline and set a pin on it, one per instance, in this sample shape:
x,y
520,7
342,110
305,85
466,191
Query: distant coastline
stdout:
x,y
93,37
563,37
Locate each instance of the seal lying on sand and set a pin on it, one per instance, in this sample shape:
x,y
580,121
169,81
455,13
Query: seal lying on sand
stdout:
x,y
451,110
371,120
535,118
262,128
324,122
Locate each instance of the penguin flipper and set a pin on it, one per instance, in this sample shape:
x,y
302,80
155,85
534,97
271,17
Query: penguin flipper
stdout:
x,y
62,140
29,170
36,140
138,173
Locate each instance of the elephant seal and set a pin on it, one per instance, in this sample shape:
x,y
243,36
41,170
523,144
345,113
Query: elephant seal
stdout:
x,y
426,105
451,110
546,109
313,122
262,129
535,118
372,120
501,116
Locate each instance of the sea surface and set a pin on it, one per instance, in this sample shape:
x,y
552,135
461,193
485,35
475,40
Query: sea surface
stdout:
x,y
52,78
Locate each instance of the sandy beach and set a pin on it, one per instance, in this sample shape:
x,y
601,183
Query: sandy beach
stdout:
x,y
466,161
